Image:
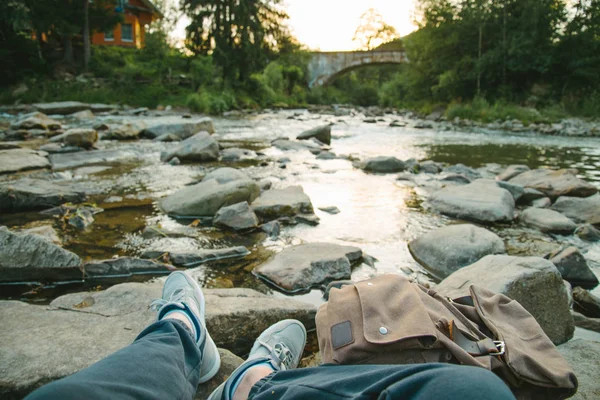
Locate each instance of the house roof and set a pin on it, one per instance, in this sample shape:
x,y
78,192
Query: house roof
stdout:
x,y
150,7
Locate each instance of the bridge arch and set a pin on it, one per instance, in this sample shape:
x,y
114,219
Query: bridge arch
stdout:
x,y
324,66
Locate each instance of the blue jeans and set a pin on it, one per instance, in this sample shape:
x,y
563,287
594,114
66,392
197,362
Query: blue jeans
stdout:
x,y
164,363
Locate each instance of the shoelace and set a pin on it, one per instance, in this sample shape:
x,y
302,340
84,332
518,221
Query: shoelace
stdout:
x,y
281,354
176,297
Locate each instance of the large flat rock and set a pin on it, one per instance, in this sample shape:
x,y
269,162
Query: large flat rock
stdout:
x,y
302,267
32,194
548,221
21,160
198,148
73,160
287,202
562,182
532,281
445,250
181,130
583,356
61,107
584,210
45,343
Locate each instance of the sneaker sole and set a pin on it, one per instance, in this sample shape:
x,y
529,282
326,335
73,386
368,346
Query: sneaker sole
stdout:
x,y
209,342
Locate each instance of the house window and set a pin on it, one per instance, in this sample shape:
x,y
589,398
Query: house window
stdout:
x,y
109,36
127,33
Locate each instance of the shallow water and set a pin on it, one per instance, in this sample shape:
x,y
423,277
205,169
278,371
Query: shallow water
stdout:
x,y
378,213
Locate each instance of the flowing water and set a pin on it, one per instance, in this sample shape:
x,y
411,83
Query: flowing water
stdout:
x,y
378,213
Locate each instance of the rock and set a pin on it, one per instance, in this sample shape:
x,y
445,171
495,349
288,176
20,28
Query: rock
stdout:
x,y
199,148
225,175
167,137
182,130
462,169
517,191
423,125
445,250
583,356
229,362
383,165
476,201
46,232
236,155
302,267
585,210
435,115
237,217
206,198
321,133
541,203
55,148
122,267
79,159
370,121
123,132
330,210
554,184
174,161
287,202
548,221
61,107
85,138
336,285
32,194
272,229
586,303
511,172
532,281
530,195
429,167
22,160
456,178
83,115
288,145
581,321
326,155
82,219
195,258
140,111
397,124
9,145
572,266
308,219
36,120
28,257
96,324
588,232
100,108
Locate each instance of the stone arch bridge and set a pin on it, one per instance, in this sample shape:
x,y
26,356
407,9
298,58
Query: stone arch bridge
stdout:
x,y
324,67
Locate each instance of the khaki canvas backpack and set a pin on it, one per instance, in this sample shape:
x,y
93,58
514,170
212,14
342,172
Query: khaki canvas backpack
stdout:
x,y
389,320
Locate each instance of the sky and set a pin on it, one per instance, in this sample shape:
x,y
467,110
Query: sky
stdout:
x,y
329,25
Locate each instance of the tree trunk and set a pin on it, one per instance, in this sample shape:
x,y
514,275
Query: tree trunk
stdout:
x,y
40,43
504,17
68,45
87,52
479,59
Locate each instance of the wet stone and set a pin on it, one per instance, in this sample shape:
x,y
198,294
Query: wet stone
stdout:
x,y
33,194
383,165
123,266
193,259
330,210
181,130
554,184
530,195
21,160
272,229
586,303
582,210
574,268
236,155
588,233
321,133
511,172
237,217
287,202
199,148
544,202
225,175
548,221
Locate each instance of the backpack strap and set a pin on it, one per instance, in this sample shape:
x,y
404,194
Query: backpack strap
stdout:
x,y
484,347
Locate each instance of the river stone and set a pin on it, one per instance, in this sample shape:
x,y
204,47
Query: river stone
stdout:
x,y
73,160
455,178
182,130
206,198
287,202
588,232
83,115
122,267
123,132
321,133
476,201
548,221
583,210
586,303
32,194
289,145
544,202
445,250
462,169
225,175
330,210
235,154
61,107
96,324
54,148
237,217
28,257
326,155
383,165
517,191
583,356
229,362
273,229
46,232
36,120
302,267
532,281
429,167
85,138
199,148
572,266
530,195
511,172
562,182
195,258
21,160
581,321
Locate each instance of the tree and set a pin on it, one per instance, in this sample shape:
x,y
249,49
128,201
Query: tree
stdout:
x,y
373,31
241,35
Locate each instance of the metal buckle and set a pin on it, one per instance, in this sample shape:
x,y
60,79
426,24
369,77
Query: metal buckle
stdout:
x,y
501,347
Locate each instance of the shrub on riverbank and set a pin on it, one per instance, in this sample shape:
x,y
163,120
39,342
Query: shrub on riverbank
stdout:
x,y
481,110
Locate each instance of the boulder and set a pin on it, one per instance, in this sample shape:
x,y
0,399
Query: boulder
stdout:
x,y
123,267
462,169
532,281
321,133
273,229
429,167
29,257
511,172
237,217
229,362
85,138
581,321
32,194
530,195
206,198
225,175
21,160
83,115
73,160
547,220
476,201
235,154
302,267
517,191
588,232
61,107
122,132
455,178
182,130
572,266
562,182
287,202
544,202
46,232
586,303
383,165
195,258
326,155
583,356
445,250
199,148
96,324
289,145
36,120
584,210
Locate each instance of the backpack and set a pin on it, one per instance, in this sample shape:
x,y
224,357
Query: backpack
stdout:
x,y
390,320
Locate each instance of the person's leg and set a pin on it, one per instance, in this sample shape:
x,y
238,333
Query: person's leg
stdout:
x,y
385,382
167,360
